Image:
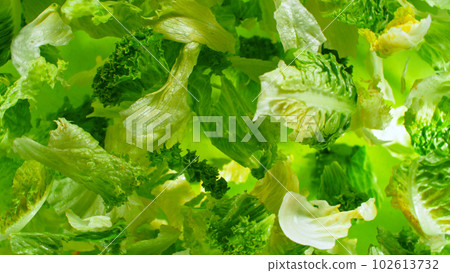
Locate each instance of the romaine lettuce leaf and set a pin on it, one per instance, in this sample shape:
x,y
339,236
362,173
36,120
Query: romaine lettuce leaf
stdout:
x,y
315,97
30,188
420,188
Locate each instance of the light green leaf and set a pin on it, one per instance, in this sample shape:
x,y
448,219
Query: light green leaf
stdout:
x,y
89,224
189,21
165,108
77,155
420,188
47,29
29,190
315,97
297,27
316,223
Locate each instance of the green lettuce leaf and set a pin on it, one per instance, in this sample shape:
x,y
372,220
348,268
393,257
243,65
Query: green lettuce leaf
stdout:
x,y
188,21
420,188
166,109
77,155
316,98
427,119
406,242
370,14
135,68
35,243
435,48
240,225
10,24
28,192
343,173
316,223
227,93
47,29
103,18
167,236
297,27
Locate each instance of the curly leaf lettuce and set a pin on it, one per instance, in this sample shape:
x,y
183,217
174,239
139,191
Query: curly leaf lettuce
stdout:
x,y
427,119
370,14
139,65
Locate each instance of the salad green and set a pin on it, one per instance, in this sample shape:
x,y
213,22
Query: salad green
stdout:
x,y
235,127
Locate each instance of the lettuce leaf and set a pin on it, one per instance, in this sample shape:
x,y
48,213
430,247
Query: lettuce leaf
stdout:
x,y
297,27
10,23
316,223
315,97
427,119
111,177
420,189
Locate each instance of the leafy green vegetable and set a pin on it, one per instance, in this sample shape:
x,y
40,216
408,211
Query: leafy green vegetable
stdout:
x,y
420,189
132,71
51,244
297,27
199,127
335,189
345,173
197,170
189,21
316,223
101,18
406,242
111,177
10,22
47,28
434,49
403,32
427,119
165,109
28,191
316,98
227,94
371,14
240,225
96,126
